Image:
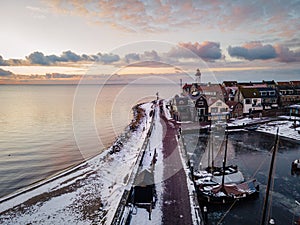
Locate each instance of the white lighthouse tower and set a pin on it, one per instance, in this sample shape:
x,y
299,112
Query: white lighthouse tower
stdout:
x,y
198,76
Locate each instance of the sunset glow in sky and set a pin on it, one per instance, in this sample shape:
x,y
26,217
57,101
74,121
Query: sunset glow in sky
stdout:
x,y
66,36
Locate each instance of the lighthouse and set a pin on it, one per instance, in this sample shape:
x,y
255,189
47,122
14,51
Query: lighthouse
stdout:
x,y
198,76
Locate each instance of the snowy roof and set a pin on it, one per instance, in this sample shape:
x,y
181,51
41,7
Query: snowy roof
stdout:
x,y
144,178
296,106
229,178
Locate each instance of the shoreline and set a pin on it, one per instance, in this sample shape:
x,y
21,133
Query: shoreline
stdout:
x,y
69,181
68,170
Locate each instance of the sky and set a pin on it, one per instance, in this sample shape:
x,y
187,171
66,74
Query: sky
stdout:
x,y
67,36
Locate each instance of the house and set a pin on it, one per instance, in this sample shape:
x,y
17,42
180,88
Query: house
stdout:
x,y
231,88
287,94
235,109
186,89
180,108
269,97
296,85
250,98
218,110
230,83
270,83
201,108
213,91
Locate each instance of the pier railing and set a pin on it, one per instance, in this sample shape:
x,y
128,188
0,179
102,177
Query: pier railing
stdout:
x,y
120,217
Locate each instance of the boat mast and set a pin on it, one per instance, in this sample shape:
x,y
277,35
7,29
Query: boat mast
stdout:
x,y
225,158
269,179
208,152
212,154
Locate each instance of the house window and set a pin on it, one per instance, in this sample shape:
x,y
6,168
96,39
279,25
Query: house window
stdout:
x,y
219,104
263,93
254,102
283,92
201,111
223,110
248,101
271,93
214,109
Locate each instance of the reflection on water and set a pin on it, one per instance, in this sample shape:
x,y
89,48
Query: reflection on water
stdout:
x,y
251,152
43,132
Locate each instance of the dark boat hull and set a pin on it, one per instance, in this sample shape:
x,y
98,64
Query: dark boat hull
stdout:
x,y
218,197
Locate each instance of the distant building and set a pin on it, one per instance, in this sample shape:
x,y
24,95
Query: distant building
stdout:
x,y
201,108
236,98
231,88
270,84
269,97
289,93
235,109
181,108
218,110
251,100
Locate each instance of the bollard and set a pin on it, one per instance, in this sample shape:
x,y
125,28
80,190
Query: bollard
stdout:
x,y
205,215
272,222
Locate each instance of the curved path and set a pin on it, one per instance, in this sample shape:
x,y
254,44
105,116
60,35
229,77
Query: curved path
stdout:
x,y
176,204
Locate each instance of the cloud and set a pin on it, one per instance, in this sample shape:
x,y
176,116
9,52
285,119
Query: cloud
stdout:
x,y
150,64
3,62
207,50
284,54
252,51
69,56
282,18
5,72
108,58
150,56
132,57
38,58
258,51
37,12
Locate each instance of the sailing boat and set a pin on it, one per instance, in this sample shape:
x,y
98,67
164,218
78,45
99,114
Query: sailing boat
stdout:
x,y
223,192
213,175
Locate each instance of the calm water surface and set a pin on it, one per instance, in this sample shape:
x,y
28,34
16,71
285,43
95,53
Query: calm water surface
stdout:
x,y
251,152
45,129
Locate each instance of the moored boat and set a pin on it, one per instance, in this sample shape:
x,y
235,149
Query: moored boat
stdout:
x,y
228,193
252,128
223,185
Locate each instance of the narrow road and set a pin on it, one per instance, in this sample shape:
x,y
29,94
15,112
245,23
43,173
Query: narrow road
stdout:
x,y
176,204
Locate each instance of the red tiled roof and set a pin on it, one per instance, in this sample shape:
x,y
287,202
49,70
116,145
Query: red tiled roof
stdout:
x,y
231,104
187,86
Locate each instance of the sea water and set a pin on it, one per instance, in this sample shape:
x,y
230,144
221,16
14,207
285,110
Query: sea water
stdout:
x,y
251,152
45,129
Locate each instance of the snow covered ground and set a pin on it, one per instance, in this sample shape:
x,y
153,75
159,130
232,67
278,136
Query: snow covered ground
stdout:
x,y
155,145
246,120
286,128
88,195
